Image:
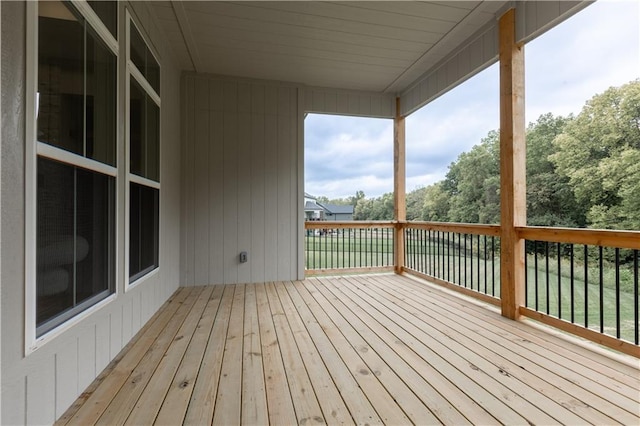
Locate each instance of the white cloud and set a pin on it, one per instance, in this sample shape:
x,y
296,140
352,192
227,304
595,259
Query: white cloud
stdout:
x,y
346,154
597,48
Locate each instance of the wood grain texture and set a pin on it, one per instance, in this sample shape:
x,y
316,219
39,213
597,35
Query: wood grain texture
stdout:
x,y
596,237
399,184
375,349
513,187
462,228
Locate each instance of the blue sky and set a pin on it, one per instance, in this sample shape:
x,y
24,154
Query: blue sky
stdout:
x,y
597,48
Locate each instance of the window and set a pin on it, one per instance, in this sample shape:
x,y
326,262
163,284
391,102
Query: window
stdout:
x,y
144,156
75,162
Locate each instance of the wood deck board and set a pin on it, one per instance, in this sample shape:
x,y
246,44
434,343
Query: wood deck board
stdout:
x,y
281,410
482,361
358,349
337,388
150,402
124,401
568,369
496,358
201,404
570,372
102,391
254,401
230,385
430,380
365,374
303,394
176,402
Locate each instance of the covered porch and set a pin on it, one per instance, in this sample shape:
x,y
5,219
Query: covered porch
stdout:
x,y
209,337
353,349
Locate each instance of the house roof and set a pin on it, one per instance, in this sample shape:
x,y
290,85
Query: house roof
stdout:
x,y
337,209
329,208
311,205
416,49
309,196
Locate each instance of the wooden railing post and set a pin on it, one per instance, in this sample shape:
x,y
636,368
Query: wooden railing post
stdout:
x,y
512,167
399,186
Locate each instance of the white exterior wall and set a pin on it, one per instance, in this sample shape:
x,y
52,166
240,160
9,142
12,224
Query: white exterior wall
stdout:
x,y
39,387
349,102
242,181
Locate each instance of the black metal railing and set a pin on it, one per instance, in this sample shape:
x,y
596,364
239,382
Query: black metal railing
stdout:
x,y
349,246
589,285
467,259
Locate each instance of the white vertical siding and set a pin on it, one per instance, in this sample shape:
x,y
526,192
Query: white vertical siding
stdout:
x,y
187,211
215,196
244,178
102,343
39,387
480,51
200,169
244,153
271,185
258,162
86,365
533,18
66,375
323,100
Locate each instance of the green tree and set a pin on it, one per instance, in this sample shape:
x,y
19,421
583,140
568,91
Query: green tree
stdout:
x,y
357,197
436,203
473,183
363,209
415,203
599,152
550,199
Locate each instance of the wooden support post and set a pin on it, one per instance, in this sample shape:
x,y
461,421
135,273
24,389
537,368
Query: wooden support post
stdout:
x,y
399,185
512,168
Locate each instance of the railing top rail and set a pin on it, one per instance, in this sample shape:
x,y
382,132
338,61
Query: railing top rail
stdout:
x,y
329,224
463,228
596,237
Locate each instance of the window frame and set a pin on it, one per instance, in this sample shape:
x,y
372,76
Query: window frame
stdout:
x,y
35,149
133,72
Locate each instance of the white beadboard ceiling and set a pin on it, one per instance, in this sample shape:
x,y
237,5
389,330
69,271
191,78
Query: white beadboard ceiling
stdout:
x,y
375,46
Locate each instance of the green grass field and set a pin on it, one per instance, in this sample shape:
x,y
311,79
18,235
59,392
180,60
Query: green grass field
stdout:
x,y
349,251
338,251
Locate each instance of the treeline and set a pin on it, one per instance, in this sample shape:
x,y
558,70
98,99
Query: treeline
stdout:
x,y
582,171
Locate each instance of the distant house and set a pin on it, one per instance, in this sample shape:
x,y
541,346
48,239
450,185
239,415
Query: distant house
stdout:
x,y
335,212
314,210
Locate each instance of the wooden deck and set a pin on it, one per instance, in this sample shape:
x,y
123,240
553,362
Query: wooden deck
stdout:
x,y
361,349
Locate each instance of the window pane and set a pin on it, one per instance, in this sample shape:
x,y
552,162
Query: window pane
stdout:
x,y
55,239
144,133
143,230
144,60
138,48
108,13
75,239
137,128
153,72
76,85
153,141
101,101
95,225
60,77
